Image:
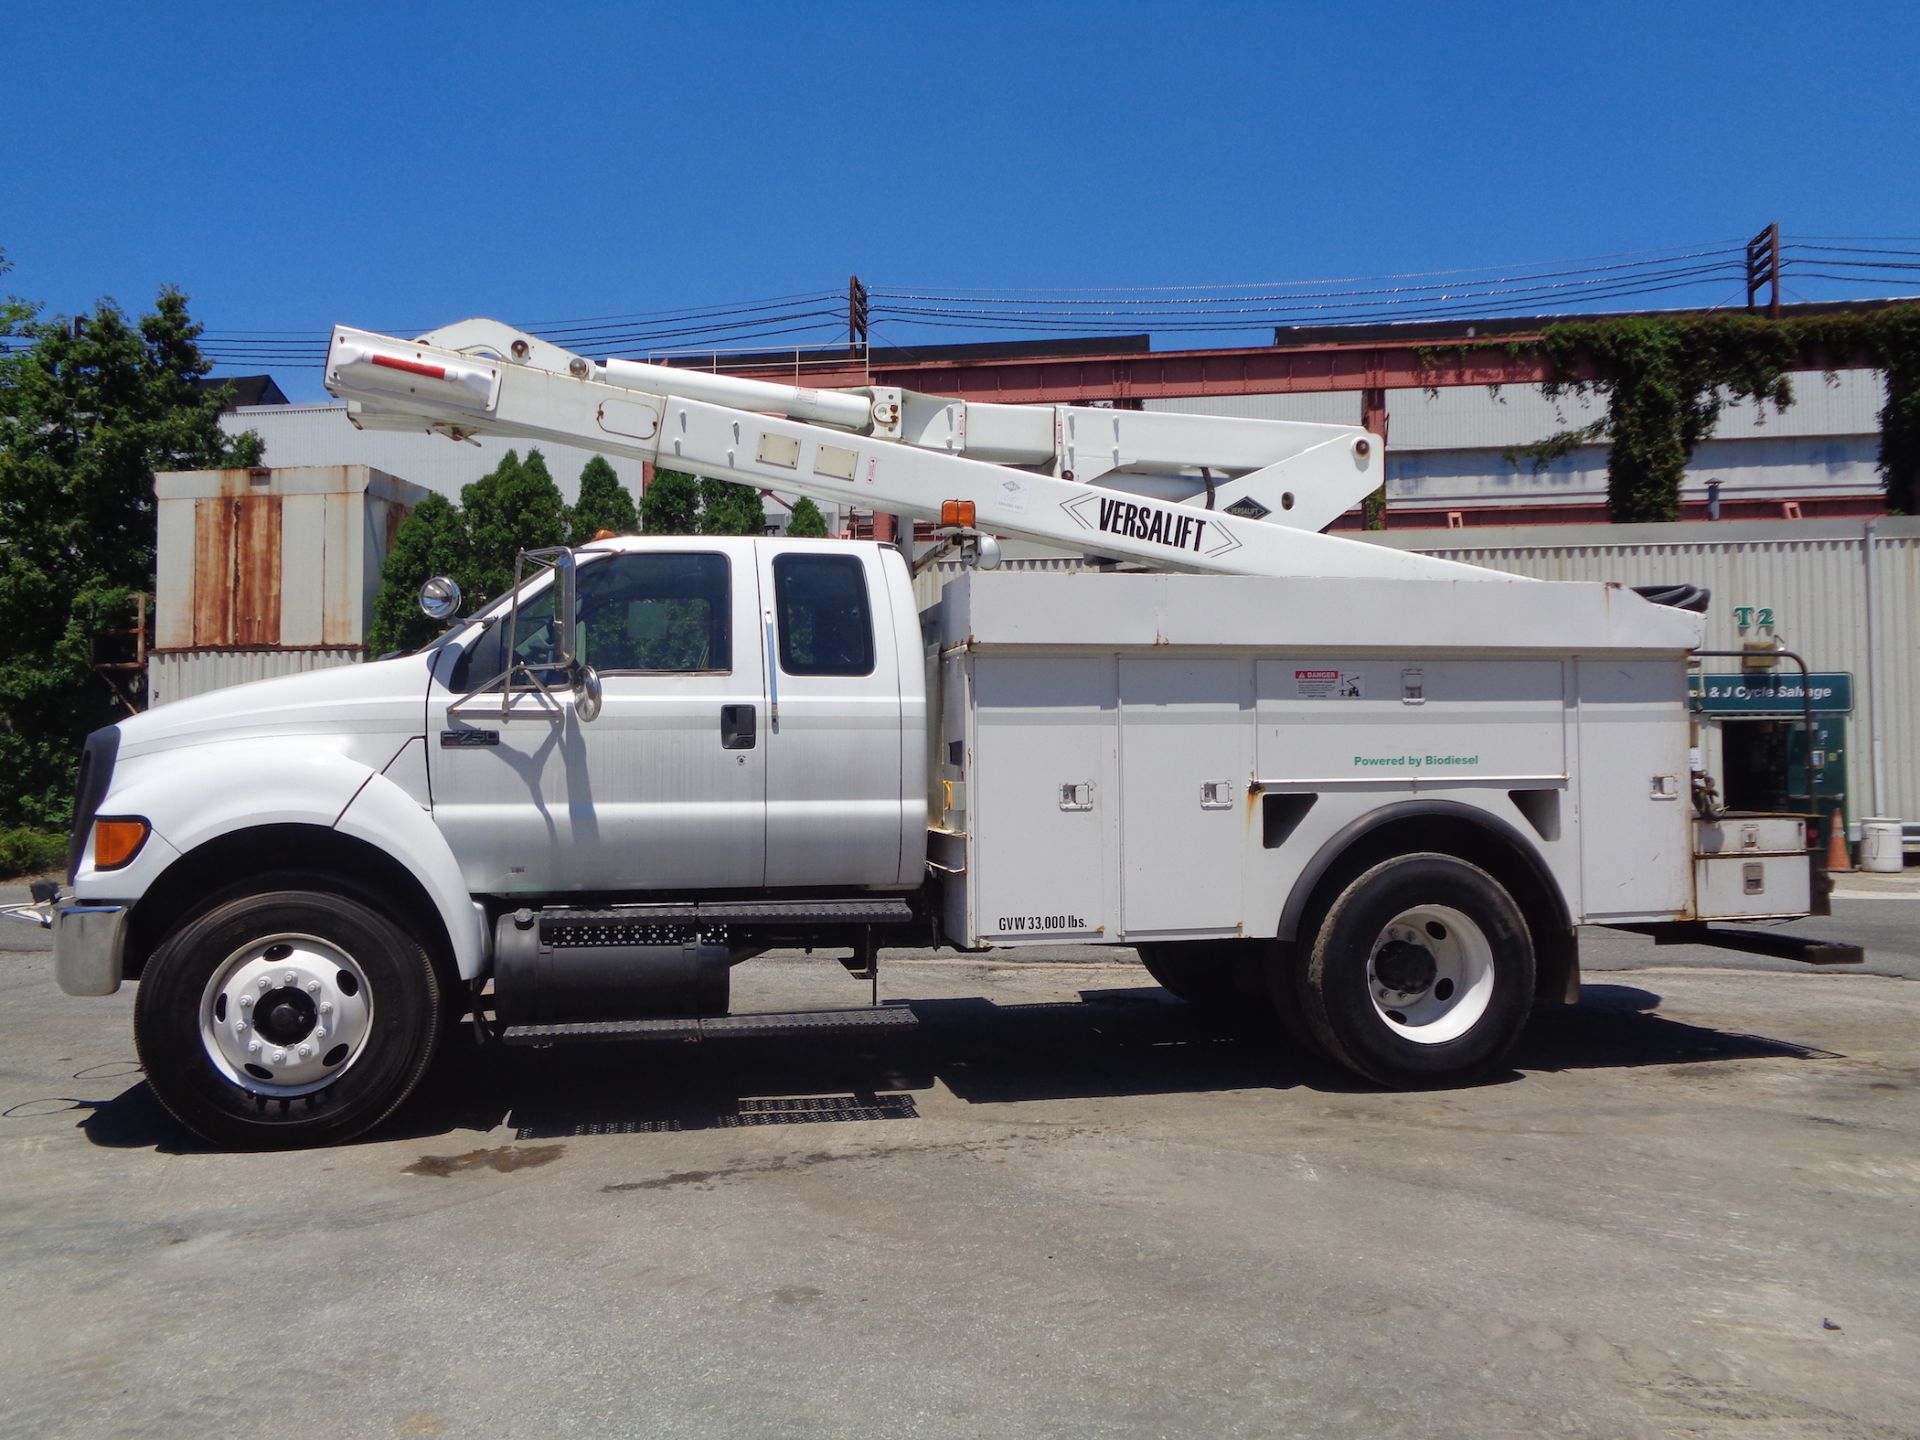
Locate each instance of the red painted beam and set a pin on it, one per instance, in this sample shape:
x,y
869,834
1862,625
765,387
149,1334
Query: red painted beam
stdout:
x,y
1175,374
1183,374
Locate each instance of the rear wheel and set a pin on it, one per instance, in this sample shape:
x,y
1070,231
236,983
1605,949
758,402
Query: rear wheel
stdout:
x,y
1200,972
286,1016
1422,973
1286,970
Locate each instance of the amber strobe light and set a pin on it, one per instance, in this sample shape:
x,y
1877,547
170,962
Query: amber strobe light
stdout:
x,y
115,842
957,514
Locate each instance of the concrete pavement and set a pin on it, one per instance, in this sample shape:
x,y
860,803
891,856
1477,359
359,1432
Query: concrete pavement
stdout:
x,y
1062,1206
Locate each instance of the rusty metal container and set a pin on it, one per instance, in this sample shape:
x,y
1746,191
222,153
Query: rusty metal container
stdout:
x,y
267,571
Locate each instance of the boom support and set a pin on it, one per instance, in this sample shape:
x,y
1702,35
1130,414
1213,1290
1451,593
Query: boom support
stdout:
x,y
1174,492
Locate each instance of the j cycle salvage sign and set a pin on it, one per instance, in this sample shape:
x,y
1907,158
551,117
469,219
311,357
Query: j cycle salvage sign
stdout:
x,y
1771,693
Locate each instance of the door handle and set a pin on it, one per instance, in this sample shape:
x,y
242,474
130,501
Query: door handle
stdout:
x,y
737,727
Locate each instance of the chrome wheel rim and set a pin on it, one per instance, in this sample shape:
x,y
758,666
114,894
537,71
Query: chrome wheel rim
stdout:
x,y
1430,974
286,1015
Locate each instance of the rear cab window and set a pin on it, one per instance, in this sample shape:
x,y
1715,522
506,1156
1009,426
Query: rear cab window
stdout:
x,y
826,620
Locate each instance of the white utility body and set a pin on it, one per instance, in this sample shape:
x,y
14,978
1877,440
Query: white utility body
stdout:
x,y
1376,790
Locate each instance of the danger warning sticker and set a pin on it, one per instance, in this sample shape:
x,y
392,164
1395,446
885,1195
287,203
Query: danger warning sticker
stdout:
x,y
1326,685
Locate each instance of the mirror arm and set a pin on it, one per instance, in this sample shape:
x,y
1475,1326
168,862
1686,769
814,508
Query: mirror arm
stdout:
x,y
561,563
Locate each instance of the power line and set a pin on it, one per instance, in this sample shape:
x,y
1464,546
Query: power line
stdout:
x,y
1224,309
1314,289
1672,252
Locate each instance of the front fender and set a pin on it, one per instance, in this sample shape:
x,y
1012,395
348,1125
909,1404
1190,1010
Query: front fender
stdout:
x,y
194,795
197,795
385,816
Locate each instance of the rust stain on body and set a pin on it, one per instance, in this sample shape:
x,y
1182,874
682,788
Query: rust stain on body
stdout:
x,y
504,1159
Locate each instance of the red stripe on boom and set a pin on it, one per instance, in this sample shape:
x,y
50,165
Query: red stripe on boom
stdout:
x,y
412,367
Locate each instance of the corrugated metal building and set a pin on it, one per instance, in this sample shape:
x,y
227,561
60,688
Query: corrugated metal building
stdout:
x,y
1444,449
263,572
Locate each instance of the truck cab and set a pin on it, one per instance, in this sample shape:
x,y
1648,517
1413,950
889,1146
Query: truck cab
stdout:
x,y
757,698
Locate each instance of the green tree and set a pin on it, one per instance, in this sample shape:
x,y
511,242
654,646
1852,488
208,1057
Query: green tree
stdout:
x,y
604,504
514,507
676,503
670,505
1895,337
88,413
431,541
806,522
730,509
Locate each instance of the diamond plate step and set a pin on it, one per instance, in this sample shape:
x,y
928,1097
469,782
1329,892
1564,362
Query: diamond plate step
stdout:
x,y
719,1027
646,924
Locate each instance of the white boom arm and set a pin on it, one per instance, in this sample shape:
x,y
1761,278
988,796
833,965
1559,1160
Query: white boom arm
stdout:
x,y
1178,492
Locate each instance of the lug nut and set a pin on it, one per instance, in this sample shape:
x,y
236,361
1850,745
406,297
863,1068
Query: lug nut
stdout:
x,y
313,987
326,1007
266,983
246,1002
306,1052
289,978
253,1047
279,1057
239,1027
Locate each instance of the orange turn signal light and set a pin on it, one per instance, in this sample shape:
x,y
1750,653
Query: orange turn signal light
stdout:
x,y
116,842
957,514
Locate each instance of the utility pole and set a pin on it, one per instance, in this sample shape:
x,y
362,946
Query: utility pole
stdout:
x,y
885,526
856,315
1763,269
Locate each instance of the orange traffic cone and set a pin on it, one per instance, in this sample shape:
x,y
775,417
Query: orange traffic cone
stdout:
x,y
1838,860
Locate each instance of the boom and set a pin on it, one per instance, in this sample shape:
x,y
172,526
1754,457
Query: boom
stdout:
x,y
1175,492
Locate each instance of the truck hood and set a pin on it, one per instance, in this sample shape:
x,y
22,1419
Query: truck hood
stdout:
x,y
347,702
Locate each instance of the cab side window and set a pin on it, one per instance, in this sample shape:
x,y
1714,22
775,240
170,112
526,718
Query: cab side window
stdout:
x,y
826,623
656,613
640,614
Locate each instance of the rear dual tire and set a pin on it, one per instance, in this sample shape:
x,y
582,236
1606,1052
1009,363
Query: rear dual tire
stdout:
x,y
1204,973
1421,974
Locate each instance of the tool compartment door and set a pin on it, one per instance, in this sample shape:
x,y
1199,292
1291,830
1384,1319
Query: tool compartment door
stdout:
x,y
1042,798
1186,754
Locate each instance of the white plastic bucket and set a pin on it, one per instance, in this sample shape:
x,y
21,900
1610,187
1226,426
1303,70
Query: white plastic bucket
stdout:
x,y
1880,846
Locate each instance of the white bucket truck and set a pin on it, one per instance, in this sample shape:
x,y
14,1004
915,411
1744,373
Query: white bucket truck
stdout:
x,y
1375,790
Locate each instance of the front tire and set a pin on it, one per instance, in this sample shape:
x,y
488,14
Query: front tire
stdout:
x,y
1422,973
286,1017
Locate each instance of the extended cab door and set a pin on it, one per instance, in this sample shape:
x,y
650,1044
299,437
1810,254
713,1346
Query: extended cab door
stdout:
x,y
666,789
833,748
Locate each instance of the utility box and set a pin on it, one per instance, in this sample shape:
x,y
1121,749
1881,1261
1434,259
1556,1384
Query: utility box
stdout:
x,y
267,571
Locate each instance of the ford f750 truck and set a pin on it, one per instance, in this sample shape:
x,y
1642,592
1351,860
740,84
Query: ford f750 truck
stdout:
x,y
1376,791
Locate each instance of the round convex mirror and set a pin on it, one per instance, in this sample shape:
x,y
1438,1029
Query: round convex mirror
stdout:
x,y
440,598
586,693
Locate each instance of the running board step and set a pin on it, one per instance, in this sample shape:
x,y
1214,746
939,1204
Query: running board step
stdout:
x,y
610,926
774,1024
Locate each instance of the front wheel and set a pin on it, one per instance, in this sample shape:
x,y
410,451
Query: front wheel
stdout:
x,y
1421,974
286,1017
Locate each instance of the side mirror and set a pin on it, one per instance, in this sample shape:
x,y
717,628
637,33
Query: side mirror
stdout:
x,y
564,647
586,692
440,599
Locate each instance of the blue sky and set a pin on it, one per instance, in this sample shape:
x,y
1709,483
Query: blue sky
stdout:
x,y
401,166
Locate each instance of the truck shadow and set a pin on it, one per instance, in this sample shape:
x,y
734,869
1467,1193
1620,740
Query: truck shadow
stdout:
x,y
1107,1043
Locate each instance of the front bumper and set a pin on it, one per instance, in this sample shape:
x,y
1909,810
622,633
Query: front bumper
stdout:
x,y
89,945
